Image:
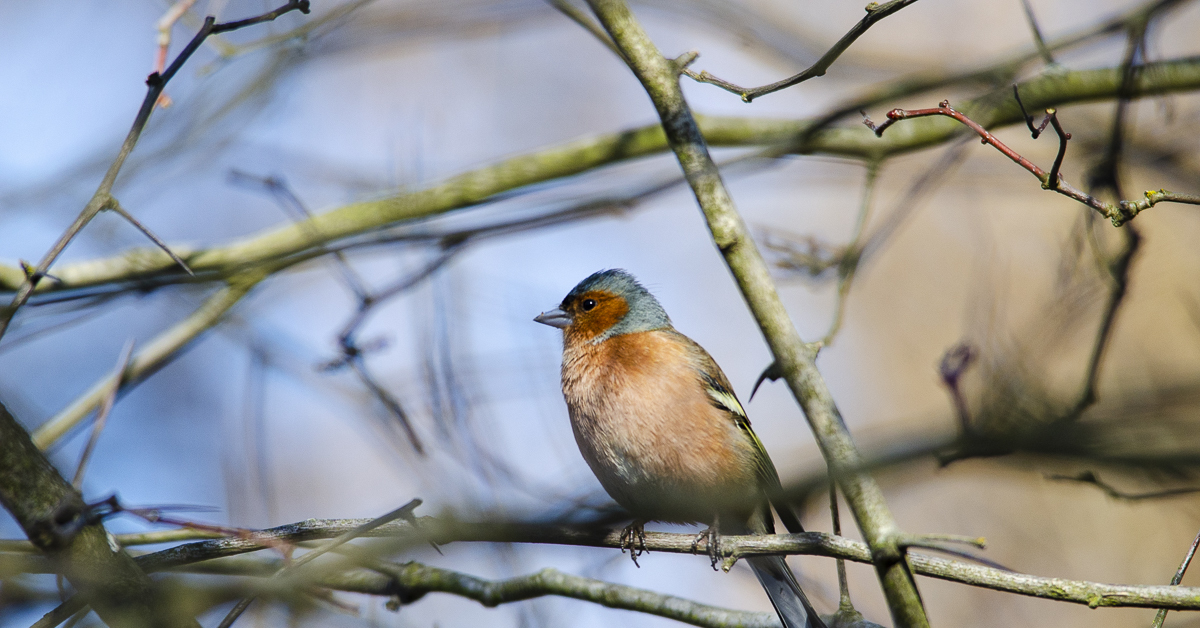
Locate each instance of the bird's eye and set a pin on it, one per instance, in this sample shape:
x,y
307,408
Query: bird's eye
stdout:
x,y
588,304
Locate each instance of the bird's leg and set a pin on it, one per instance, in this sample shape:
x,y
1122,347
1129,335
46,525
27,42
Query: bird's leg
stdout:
x,y
634,538
712,538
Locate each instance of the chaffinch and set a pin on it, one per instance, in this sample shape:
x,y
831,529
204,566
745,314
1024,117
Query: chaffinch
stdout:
x,y
660,426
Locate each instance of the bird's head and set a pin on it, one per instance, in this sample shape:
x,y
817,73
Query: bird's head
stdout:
x,y
606,304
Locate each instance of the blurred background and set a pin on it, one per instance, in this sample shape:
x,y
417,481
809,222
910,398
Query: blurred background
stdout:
x,y
362,100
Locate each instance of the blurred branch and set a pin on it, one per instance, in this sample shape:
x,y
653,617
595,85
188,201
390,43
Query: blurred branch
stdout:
x,y
403,512
445,531
1090,477
1119,213
486,184
852,254
153,356
103,199
1038,40
580,17
56,520
875,13
1118,269
994,75
795,358
106,406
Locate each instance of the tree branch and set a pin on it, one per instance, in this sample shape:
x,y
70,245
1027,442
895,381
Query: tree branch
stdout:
x,y
153,356
1119,213
795,358
444,531
56,520
485,184
875,12
102,199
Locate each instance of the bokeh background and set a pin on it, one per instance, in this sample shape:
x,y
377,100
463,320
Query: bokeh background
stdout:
x,y
376,97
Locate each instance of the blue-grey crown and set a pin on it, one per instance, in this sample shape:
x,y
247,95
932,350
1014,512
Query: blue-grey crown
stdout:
x,y
645,312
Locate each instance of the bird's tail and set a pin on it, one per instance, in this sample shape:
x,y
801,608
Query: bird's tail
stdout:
x,y
787,598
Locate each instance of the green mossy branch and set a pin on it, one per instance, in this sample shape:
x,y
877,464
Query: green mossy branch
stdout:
x,y
581,156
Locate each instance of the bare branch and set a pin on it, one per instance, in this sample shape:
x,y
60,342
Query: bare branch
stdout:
x,y
1119,213
875,12
403,512
110,398
153,356
479,186
1090,477
445,531
1161,616
116,207
102,199
56,520
795,358
1038,40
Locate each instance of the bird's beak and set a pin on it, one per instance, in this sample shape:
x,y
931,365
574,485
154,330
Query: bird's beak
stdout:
x,y
554,318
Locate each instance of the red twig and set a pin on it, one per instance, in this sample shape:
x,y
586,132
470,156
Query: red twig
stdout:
x,y
1119,213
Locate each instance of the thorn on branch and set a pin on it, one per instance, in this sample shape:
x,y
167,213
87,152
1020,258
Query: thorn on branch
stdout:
x,y
114,206
34,276
772,372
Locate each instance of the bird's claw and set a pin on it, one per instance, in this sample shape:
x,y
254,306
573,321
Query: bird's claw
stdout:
x,y
633,537
712,544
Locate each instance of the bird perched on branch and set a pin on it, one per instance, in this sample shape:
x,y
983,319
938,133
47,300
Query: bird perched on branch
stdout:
x,y
658,423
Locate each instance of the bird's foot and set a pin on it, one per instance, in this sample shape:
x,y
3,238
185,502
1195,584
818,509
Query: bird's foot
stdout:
x,y
633,537
712,543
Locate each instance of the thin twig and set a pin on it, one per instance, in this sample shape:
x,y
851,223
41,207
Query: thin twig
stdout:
x,y
1118,269
1038,40
581,18
875,12
102,198
152,356
1090,477
852,254
1161,616
102,415
404,511
64,611
114,206
300,214
1119,213
164,25
844,603
796,359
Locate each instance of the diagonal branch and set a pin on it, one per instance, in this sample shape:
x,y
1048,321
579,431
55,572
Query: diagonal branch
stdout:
x,y
114,206
875,12
110,398
102,199
153,356
795,358
54,517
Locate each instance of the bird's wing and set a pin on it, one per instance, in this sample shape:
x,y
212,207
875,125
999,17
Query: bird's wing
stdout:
x,y
720,391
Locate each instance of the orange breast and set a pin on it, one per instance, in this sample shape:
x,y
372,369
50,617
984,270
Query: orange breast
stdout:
x,y
649,431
